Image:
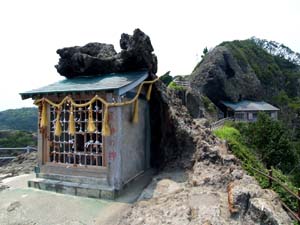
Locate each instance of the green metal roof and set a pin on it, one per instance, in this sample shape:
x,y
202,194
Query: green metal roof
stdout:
x,y
120,83
250,106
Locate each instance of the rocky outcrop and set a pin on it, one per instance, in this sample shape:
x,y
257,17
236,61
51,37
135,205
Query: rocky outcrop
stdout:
x,y
247,69
167,141
251,69
255,204
203,182
193,103
198,105
220,77
97,58
23,163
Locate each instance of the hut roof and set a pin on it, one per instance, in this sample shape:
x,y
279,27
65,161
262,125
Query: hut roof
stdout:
x,y
250,106
119,83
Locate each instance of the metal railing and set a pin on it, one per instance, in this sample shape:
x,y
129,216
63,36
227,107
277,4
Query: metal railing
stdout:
x,y
7,157
220,123
183,83
295,215
26,149
271,178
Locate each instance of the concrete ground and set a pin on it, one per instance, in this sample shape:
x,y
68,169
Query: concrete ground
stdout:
x,y
20,205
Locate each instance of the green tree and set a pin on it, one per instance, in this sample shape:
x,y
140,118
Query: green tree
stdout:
x,y
13,139
205,51
272,142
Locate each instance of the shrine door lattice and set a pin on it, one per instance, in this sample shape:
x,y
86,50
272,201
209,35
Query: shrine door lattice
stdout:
x,y
83,148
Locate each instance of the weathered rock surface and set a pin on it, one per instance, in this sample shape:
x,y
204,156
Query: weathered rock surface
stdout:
x,y
197,105
99,58
194,104
22,164
204,184
220,77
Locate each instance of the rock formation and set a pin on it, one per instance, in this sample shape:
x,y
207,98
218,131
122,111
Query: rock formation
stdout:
x,y
22,164
203,182
97,58
251,69
220,77
198,105
247,69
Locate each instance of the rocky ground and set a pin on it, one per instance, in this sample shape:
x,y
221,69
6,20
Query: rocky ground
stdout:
x,y
204,185
209,194
22,164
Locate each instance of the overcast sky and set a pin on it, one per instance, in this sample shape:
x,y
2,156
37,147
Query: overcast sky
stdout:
x,y
32,30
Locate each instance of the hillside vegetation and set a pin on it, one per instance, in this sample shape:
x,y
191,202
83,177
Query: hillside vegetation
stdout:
x,y
234,65
16,129
265,150
278,76
12,139
258,70
16,139
252,69
24,119
273,71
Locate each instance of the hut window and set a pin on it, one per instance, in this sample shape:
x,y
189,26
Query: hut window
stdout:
x,y
82,148
250,116
239,116
255,115
274,115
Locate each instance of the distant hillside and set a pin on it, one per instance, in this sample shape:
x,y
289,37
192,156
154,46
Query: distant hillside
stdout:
x,y
247,70
252,69
275,72
19,119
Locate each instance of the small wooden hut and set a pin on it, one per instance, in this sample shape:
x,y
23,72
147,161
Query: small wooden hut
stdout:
x,y
247,111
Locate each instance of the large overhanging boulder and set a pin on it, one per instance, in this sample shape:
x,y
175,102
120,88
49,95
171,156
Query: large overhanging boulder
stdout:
x,y
98,58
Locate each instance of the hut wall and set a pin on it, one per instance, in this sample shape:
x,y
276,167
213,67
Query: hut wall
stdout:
x,y
128,146
135,141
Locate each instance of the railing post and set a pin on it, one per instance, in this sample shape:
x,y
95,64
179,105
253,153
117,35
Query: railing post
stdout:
x,y
270,179
298,205
28,149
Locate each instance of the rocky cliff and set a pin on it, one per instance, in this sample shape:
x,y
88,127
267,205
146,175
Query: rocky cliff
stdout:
x,y
202,181
246,69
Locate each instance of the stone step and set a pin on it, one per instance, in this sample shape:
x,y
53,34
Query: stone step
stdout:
x,y
74,179
71,188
